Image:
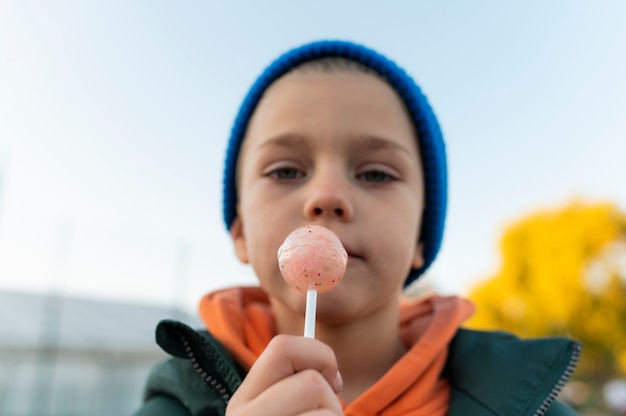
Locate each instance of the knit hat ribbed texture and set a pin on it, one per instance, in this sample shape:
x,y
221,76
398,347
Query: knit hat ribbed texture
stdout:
x,y
430,138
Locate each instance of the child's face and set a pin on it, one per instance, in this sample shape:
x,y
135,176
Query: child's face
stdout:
x,y
338,150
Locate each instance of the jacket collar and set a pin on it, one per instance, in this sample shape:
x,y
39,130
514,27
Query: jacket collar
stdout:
x,y
508,376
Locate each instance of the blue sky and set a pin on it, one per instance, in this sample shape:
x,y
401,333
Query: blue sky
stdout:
x,y
114,117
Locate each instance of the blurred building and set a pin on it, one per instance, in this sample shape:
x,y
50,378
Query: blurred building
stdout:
x,y
69,356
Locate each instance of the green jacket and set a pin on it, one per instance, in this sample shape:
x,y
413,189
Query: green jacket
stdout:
x,y
491,373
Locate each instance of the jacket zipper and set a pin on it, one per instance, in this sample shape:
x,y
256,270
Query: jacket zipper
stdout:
x,y
543,408
214,383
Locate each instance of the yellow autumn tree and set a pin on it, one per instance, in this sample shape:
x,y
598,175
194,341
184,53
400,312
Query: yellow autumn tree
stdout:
x,y
563,273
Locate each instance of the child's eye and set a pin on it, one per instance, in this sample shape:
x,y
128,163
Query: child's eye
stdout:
x,y
286,173
375,176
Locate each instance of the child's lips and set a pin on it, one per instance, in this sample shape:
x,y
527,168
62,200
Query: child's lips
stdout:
x,y
352,254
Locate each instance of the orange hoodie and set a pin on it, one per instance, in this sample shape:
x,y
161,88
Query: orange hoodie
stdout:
x,y
242,320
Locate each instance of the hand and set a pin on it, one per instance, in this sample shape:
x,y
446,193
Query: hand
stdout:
x,y
293,376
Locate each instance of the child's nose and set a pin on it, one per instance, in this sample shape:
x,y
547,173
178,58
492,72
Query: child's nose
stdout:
x,y
329,198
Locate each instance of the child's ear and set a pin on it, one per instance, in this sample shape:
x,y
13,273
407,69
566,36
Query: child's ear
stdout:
x,y
239,240
418,256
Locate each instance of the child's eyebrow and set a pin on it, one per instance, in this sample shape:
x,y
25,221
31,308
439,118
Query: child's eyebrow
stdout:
x,y
380,143
285,140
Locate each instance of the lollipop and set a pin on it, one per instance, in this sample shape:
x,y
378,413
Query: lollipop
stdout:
x,y
312,260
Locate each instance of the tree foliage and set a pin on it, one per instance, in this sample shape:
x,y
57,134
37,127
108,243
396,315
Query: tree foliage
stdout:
x,y
563,273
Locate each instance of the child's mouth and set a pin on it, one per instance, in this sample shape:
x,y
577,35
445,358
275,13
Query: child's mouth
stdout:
x,y
352,254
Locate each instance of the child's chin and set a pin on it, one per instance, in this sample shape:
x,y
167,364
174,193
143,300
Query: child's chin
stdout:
x,y
336,309
335,318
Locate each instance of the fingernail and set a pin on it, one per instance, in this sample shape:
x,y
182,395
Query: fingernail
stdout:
x,y
338,382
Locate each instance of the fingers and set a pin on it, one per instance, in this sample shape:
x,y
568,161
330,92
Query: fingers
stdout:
x,y
286,355
299,393
294,375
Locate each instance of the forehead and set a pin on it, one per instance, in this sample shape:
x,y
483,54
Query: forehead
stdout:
x,y
319,103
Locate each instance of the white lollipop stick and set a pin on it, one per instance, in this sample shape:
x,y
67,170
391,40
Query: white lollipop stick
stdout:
x,y
309,314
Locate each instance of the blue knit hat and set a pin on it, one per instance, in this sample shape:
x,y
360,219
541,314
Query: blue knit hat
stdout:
x,y
431,145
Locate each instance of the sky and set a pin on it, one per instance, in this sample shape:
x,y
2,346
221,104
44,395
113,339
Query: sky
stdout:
x,y
114,118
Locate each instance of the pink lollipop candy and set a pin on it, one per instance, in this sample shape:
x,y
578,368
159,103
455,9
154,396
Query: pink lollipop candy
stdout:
x,y
312,259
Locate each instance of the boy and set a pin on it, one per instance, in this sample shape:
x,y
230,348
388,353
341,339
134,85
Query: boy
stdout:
x,y
334,134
